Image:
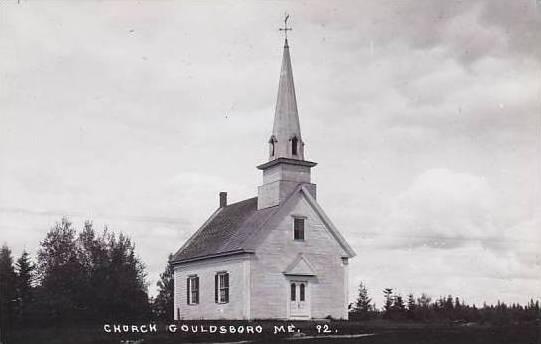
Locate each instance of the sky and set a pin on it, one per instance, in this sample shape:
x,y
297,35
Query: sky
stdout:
x,y
424,118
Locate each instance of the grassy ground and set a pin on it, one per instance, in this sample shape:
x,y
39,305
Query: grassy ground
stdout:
x,y
305,332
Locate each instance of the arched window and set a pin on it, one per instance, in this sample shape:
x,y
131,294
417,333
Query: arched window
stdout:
x,y
301,292
294,145
293,291
272,146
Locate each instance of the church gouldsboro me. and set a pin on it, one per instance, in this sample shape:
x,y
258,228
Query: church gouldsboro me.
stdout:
x,y
274,256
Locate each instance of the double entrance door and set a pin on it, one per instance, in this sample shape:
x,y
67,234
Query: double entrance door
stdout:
x,y
299,299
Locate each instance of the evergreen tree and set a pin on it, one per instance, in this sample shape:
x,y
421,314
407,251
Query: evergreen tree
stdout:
x,y
448,304
387,307
398,308
8,285
388,293
363,305
411,307
423,307
398,303
163,303
25,286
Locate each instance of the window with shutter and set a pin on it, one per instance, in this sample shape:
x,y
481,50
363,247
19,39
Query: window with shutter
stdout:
x,y
188,290
195,292
221,284
216,288
192,290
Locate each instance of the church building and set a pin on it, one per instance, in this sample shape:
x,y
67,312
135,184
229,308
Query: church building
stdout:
x,y
274,256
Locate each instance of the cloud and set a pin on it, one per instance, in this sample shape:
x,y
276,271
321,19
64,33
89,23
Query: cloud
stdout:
x,y
471,272
469,29
422,115
443,209
456,229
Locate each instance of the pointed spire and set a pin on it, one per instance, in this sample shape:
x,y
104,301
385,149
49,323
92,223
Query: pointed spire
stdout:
x,y
286,168
286,140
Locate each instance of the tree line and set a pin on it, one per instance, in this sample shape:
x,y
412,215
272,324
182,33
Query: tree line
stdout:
x,y
89,276
424,308
79,276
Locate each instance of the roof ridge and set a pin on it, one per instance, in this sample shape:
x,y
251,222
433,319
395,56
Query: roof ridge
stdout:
x,y
241,201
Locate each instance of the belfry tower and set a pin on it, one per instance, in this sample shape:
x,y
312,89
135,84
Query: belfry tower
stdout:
x,y
286,168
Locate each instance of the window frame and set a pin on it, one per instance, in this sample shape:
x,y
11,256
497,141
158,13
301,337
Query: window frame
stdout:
x,y
222,288
193,289
299,234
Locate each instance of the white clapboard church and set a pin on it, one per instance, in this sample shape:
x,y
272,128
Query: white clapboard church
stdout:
x,y
274,256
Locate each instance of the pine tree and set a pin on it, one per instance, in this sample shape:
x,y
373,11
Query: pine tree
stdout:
x,y
411,302
411,306
25,281
163,303
423,307
388,294
363,305
398,304
8,285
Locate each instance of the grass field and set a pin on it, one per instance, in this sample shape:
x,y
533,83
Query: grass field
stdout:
x,y
372,332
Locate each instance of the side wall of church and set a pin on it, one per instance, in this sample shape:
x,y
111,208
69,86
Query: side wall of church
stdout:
x,y
270,286
238,306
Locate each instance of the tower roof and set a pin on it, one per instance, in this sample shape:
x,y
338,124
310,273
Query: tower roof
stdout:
x,y
286,117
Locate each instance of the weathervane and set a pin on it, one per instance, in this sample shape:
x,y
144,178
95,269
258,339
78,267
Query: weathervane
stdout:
x,y
285,28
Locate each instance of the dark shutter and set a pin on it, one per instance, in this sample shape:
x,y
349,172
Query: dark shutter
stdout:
x,y
188,290
216,288
196,280
226,285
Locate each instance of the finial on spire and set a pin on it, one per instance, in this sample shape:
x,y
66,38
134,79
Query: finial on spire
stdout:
x,y
285,28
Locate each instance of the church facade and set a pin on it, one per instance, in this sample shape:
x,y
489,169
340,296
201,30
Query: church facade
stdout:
x,y
274,256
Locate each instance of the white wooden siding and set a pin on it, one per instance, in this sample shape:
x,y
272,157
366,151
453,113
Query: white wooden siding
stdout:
x,y
238,305
270,286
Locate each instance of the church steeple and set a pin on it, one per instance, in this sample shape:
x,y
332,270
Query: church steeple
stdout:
x,y
286,140
286,168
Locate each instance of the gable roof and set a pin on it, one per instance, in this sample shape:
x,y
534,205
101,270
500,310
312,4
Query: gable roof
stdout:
x,y
328,223
226,231
236,228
